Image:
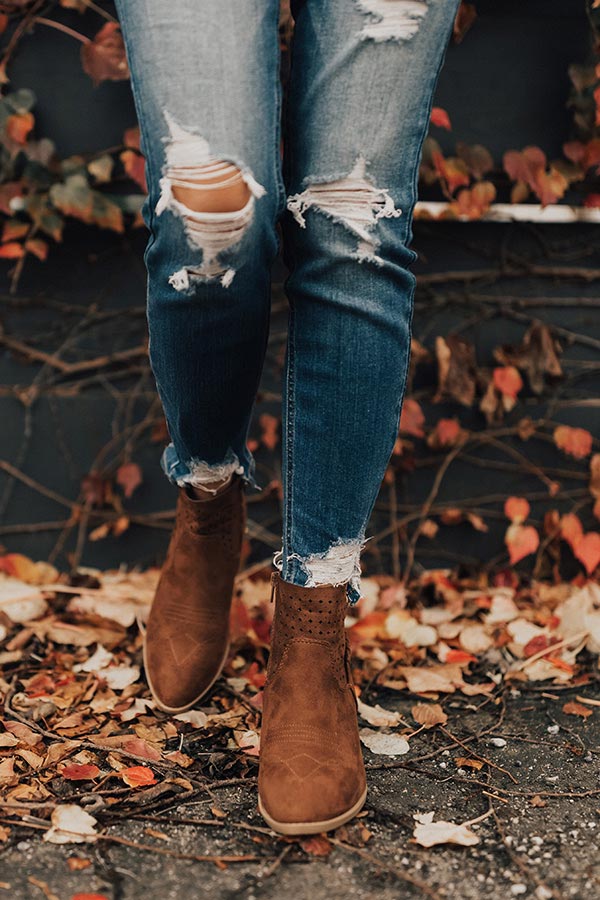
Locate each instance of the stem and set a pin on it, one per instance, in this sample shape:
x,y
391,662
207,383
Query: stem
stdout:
x,y
42,20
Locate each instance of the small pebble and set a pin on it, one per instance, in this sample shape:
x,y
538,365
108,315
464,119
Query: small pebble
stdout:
x,y
517,889
553,729
497,742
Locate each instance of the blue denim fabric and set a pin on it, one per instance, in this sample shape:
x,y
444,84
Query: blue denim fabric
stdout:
x,y
206,85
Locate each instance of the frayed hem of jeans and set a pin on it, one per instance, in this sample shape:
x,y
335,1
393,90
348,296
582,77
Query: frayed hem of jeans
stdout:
x,y
339,566
198,473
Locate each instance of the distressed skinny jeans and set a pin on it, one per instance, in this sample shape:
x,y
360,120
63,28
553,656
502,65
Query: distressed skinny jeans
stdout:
x,y
206,84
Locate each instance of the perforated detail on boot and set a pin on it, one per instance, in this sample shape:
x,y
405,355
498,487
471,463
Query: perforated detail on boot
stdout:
x,y
315,613
222,516
304,615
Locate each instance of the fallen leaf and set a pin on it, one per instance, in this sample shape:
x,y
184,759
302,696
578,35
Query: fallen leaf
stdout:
x,y
384,744
80,773
467,762
428,833
376,715
317,845
429,714
573,708
70,825
137,776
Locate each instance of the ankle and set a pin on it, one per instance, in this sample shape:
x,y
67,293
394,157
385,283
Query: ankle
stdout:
x,y
205,492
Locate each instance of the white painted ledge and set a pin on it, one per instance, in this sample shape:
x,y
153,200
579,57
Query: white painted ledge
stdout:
x,y
556,213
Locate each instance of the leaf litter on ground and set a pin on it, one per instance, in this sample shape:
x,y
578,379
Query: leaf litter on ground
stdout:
x,y
79,715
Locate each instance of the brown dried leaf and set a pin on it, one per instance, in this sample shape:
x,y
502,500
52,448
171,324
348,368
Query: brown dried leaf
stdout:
x,y
429,714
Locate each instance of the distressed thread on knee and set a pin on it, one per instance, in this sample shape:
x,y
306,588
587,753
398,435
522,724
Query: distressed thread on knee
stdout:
x,y
354,201
392,20
214,198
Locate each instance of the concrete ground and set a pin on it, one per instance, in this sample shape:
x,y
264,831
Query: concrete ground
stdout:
x,y
537,796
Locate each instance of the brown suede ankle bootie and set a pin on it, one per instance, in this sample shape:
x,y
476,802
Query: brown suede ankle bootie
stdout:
x,y
187,636
311,776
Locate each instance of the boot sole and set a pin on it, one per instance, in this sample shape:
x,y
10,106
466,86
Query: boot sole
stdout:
x,y
312,827
175,710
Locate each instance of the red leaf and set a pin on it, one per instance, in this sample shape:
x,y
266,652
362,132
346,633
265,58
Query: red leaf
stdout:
x,y
104,58
592,201
465,17
80,773
536,644
89,897
440,118
139,747
129,476
412,418
135,166
270,430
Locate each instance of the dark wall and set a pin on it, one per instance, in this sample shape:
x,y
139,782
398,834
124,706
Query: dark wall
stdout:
x,y
505,86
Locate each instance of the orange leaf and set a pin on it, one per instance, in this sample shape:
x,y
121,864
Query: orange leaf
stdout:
x,y
572,708
131,138
138,776
135,166
508,381
576,441
521,540
412,418
459,656
474,202
516,509
318,845
18,127
571,529
453,171
560,663
80,773
38,247
587,551
11,250
270,430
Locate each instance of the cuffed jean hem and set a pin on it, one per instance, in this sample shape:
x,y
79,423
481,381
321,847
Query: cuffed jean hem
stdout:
x,y
296,570
198,472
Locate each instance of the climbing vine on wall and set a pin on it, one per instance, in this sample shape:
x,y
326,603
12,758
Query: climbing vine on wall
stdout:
x,y
40,192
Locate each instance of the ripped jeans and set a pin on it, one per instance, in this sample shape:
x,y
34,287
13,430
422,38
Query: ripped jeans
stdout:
x,y
207,90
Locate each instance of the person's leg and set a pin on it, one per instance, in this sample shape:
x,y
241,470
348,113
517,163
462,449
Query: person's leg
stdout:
x,y
362,80
205,78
